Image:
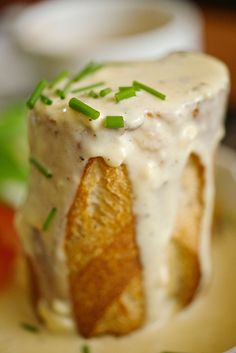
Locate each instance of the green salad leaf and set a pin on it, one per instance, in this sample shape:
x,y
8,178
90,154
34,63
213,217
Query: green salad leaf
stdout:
x,y
13,153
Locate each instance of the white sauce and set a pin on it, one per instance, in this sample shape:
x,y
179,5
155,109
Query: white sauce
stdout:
x,y
155,149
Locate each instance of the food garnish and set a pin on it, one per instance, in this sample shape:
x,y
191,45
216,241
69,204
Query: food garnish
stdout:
x,y
86,88
40,167
114,122
63,92
93,94
85,349
122,88
104,92
46,100
83,108
125,93
89,69
29,327
49,219
138,85
62,75
35,95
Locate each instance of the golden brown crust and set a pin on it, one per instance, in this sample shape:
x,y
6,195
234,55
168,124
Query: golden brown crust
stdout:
x,y
185,271
105,273
104,267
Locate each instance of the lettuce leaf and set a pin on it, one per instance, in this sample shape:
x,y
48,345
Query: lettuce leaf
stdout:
x,y
13,153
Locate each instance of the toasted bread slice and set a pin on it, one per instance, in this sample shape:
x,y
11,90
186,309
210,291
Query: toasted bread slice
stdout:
x,y
184,263
105,273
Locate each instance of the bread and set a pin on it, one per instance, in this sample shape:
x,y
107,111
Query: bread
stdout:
x,y
117,222
185,268
102,253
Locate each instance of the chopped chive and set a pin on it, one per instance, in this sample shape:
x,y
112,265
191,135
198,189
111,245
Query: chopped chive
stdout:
x,y
139,85
125,93
114,122
85,349
123,88
49,219
62,75
46,100
67,87
60,93
63,92
29,327
93,94
36,94
104,92
83,108
86,88
40,167
89,69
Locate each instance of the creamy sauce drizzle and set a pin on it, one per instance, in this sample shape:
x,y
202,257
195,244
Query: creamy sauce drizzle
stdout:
x,y
158,138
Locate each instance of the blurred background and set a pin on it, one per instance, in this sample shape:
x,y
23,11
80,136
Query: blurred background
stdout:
x,y
40,38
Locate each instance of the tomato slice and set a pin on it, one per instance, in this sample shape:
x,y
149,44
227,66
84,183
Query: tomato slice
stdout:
x,y
9,245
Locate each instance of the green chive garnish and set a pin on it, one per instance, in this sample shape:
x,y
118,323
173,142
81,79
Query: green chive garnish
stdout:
x,y
85,349
86,88
63,92
62,75
139,85
36,94
29,327
49,219
114,122
125,93
89,69
40,167
104,92
93,94
122,88
60,93
46,100
83,108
